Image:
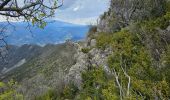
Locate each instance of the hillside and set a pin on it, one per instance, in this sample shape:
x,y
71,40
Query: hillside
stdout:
x,y
16,54
45,66
125,57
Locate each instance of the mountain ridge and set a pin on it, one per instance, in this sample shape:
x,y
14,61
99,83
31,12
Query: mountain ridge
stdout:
x,y
55,32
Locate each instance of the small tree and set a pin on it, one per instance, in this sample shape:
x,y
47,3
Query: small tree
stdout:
x,y
34,11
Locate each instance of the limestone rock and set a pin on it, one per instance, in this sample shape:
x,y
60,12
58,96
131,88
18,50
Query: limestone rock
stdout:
x,y
93,43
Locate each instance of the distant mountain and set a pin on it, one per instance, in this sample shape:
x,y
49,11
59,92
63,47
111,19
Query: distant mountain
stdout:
x,y
29,64
55,32
36,57
17,54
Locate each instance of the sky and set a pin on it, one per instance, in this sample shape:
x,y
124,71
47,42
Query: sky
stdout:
x,y
79,11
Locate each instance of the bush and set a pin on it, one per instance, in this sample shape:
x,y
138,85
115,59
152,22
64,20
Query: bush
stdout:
x,y
103,40
69,92
9,91
50,95
85,50
93,82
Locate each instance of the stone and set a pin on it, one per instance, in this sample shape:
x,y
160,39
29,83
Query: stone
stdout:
x,y
93,43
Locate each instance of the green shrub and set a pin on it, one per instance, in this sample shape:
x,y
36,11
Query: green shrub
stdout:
x,y
10,92
167,5
85,50
49,95
130,53
103,40
93,82
69,92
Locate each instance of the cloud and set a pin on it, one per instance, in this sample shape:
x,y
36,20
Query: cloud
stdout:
x,y
78,11
81,21
76,8
83,11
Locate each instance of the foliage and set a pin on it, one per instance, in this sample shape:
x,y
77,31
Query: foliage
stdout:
x,y
8,91
103,40
132,51
69,92
50,95
35,11
85,50
93,81
110,92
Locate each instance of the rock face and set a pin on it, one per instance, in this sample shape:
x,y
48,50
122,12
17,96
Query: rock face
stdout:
x,y
94,58
74,74
123,12
99,57
93,43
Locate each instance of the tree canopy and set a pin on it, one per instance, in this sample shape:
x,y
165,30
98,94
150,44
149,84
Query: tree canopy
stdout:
x,y
29,10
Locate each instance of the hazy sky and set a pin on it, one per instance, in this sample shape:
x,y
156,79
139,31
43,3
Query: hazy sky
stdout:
x,y
79,11
82,11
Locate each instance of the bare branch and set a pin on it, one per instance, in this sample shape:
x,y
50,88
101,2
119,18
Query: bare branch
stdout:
x,y
4,3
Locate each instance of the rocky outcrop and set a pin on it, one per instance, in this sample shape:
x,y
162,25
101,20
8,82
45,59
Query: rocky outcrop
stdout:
x,y
123,12
99,57
74,74
94,58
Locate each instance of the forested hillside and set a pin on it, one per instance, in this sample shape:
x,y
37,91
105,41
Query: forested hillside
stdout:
x,y
125,57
